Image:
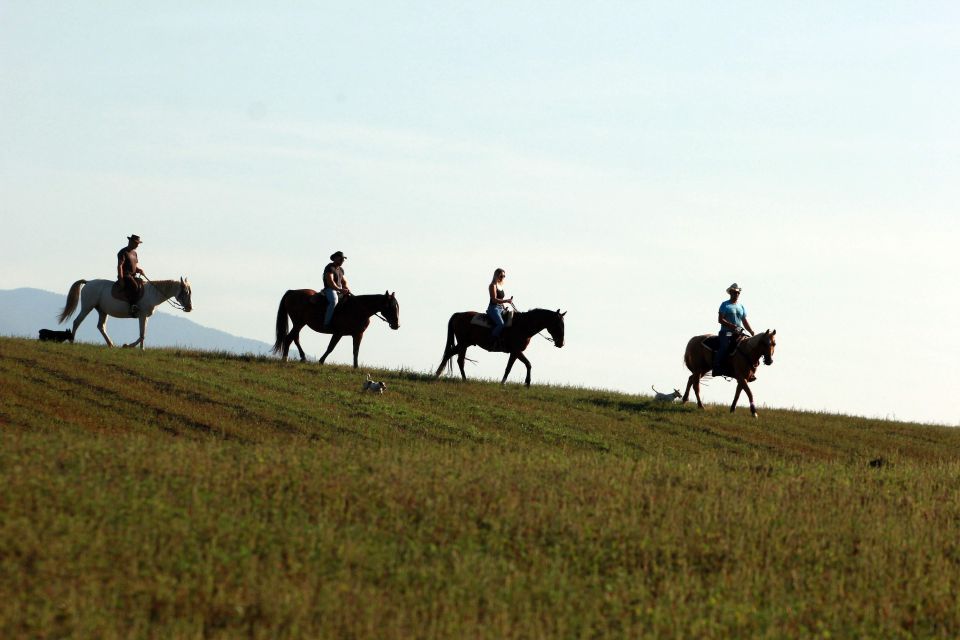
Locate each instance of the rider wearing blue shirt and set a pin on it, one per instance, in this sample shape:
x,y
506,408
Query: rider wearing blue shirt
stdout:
x,y
733,320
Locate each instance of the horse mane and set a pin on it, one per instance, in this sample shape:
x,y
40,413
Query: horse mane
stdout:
x,y
168,288
537,310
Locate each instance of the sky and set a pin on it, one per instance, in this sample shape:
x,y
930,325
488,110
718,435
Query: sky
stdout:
x,y
622,161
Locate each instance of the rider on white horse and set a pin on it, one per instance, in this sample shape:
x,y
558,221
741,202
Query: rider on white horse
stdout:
x,y
128,272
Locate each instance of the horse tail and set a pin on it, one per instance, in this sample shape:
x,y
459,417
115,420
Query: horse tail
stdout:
x,y
73,297
282,326
449,346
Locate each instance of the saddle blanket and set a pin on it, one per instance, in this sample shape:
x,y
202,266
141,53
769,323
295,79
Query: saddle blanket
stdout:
x,y
483,320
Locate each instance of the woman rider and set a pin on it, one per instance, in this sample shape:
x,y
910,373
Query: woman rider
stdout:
x,y
497,303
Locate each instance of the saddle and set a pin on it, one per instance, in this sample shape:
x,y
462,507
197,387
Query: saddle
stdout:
x,y
129,290
319,300
483,320
712,343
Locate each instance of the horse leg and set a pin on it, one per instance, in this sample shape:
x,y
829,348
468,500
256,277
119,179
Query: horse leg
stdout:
x,y
524,360
143,332
753,407
296,341
334,339
357,337
79,319
510,361
102,326
293,336
686,392
461,356
736,396
696,388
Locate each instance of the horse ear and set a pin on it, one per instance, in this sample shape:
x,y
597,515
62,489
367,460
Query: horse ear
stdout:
x,y
561,314
387,292
774,332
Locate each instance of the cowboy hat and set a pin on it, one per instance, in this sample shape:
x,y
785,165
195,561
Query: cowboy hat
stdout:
x,y
733,287
338,254
135,238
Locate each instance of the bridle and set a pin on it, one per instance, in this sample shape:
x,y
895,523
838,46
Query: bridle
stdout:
x,y
172,300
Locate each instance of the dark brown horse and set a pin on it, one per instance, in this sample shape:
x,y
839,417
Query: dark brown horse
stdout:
x,y
463,334
351,318
742,363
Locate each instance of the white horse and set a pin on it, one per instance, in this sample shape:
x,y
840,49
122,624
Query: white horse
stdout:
x,y
96,295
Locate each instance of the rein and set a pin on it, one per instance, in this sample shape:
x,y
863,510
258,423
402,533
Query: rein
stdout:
x,y
755,362
175,303
539,333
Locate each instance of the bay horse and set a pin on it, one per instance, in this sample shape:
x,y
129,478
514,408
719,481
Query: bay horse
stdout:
x,y
350,318
96,294
463,334
744,361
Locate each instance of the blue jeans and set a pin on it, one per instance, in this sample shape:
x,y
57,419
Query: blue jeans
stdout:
x,y
332,299
726,337
495,313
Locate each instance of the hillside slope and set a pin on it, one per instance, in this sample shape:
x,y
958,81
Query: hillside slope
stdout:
x,y
182,493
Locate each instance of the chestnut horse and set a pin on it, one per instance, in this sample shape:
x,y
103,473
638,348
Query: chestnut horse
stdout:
x,y
351,318
743,361
463,334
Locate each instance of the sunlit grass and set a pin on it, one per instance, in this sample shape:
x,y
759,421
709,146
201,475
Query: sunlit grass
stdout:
x,y
174,494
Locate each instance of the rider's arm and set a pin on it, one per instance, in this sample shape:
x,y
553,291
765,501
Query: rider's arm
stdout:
x,y
746,324
119,267
726,323
329,282
346,287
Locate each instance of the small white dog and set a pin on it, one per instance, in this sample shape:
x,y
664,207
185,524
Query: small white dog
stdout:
x,y
666,397
374,387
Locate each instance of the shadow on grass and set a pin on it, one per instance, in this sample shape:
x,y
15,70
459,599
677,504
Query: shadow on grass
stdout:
x,y
638,406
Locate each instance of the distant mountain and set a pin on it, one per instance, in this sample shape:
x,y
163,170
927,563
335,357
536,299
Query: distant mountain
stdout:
x,y
23,312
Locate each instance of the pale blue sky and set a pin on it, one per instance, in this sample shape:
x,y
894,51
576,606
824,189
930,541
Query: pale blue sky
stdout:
x,y
623,161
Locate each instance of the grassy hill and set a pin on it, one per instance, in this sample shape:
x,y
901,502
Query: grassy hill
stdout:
x,y
187,494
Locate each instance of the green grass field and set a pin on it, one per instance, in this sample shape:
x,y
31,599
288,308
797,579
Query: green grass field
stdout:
x,y
171,494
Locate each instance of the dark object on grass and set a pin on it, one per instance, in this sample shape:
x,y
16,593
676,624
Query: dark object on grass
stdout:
x,y
49,335
876,463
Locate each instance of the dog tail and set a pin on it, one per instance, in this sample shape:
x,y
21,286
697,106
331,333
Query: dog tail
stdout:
x,y
73,297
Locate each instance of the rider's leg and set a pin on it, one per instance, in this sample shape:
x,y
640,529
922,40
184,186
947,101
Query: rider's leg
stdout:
x,y
721,352
495,314
332,300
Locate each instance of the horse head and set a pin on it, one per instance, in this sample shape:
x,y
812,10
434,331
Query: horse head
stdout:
x,y
391,310
768,343
555,327
183,296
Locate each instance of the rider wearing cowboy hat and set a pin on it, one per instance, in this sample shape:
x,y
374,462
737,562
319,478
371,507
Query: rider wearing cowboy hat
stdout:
x,y
733,320
334,284
128,272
